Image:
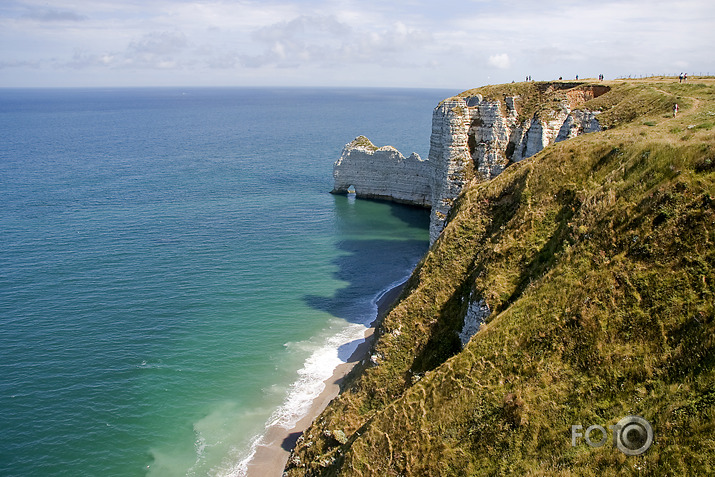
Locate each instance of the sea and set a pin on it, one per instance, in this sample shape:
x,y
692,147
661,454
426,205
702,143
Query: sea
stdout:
x,y
175,275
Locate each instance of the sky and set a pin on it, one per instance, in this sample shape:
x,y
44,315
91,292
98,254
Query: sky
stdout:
x,y
347,43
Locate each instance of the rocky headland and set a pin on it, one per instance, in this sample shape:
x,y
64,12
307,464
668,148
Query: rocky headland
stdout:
x,y
472,136
569,283
382,173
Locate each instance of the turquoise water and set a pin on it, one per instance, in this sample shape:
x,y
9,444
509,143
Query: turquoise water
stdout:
x,y
174,274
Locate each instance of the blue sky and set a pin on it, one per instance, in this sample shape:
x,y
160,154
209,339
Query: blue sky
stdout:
x,y
437,44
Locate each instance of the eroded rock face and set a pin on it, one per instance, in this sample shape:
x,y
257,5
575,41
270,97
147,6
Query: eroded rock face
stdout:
x,y
382,173
472,139
477,314
450,158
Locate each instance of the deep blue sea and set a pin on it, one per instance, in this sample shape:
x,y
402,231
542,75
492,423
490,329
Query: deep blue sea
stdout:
x,y
174,273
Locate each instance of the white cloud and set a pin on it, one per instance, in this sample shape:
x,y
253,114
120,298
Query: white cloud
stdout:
x,y
53,15
19,64
159,43
326,41
500,61
449,43
154,50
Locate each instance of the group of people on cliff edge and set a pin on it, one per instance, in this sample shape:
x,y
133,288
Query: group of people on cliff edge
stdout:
x,y
600,77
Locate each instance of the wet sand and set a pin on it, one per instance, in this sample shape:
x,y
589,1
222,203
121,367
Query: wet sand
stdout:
x,y
271,456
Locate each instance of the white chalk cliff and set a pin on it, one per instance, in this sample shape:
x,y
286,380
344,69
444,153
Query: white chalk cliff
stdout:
x,y
472,138
382,173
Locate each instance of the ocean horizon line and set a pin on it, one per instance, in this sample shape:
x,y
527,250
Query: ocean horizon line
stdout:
x,y
226,87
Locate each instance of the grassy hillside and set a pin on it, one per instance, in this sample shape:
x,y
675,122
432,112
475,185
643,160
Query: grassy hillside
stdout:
x,y
597,259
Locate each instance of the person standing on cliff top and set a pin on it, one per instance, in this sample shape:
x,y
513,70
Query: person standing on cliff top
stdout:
x,y
680,78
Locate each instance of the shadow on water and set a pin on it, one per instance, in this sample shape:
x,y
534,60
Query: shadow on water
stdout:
x,y
379,244
410,215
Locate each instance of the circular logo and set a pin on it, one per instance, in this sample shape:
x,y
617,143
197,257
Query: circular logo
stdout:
x,y
635,435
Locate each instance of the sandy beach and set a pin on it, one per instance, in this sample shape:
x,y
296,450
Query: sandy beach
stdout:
x,y
271,456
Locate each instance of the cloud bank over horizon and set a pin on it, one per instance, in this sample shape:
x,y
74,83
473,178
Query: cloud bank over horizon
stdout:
x,y
347,43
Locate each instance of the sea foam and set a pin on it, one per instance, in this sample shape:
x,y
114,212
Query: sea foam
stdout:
x,y
301,394
317,369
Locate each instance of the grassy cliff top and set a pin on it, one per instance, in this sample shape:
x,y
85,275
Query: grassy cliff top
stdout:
x,y
597,260
364,142
625,99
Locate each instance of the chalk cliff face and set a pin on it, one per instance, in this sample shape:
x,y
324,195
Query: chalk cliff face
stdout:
x,y
472,138
382,173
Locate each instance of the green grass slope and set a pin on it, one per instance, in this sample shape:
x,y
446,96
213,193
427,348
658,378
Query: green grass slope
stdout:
x,y
597,259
